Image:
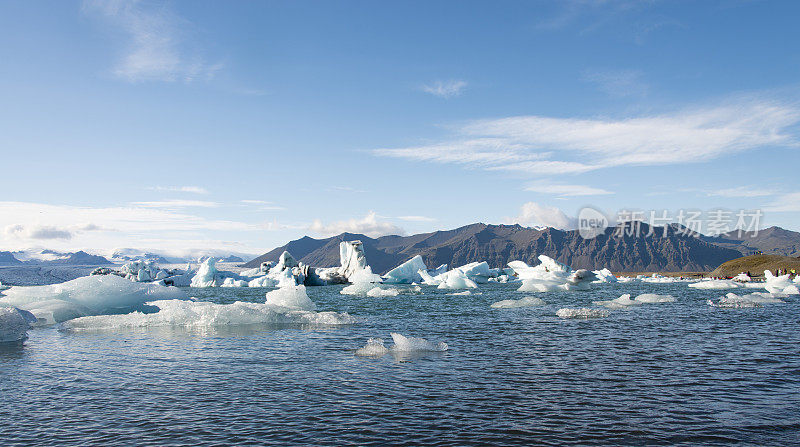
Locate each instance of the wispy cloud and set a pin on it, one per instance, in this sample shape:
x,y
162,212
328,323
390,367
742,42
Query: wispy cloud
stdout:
x,y
189,189
540,145
370,226
156,47
784,203
262,205
560,189
417,218
743,191
619,83
445,89
174,204
38,232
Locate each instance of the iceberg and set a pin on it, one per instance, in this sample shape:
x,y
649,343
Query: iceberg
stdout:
x,y
377,292
742,277
623,302
263,281
202,314
732,300
291,296
604,276
407,272
655,298
528,301
780,284
582,313
14,324
362,282
550,276
456,279
402,344
351,258
285,261
711,284
88,295
206,275
478,272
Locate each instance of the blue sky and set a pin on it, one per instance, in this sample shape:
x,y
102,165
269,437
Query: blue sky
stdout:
x,y
237,126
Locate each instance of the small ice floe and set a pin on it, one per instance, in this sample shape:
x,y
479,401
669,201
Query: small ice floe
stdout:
x,y
14,324
742,277
293,297
402,345
377,292
582,313
604,276
625,301
756,299
363,281
407,272
528,301
715,284
456,279
463,293
655,298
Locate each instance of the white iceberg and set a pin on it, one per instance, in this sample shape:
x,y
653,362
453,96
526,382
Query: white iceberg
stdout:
x,y
351,258
402,344
88,295
604,276
207,275
582,313
655,298
623,302
550,276
756,299
263,281
377,292
293,297
407,272
528,301
715,284
456,279
363,281
780,284
14,324
742,277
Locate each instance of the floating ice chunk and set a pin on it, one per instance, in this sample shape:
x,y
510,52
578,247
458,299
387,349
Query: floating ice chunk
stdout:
x,y
528,301
252,273
197,314
750,300
429,280
351,258
654,298
365,275
376,292
263,281
742,277
14,324
464,293
402,345
406,272
294,297
711,284
373,348
285,261
623,302
551,275
478,272
411,344
230,282
604,276
206,275
583,313
456,279
88,295
779,284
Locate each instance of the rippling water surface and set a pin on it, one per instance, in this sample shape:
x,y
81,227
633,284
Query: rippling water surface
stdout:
x,y
667,373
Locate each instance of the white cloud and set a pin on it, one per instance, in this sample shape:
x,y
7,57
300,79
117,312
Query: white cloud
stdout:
x,y
262,205
566,190
417,218
173,204
543,145
189,189
743,191
445,89
785,203
533,214
369,226
38,232
156,45
620,83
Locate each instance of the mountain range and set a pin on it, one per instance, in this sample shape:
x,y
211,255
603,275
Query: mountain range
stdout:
x,y
632,251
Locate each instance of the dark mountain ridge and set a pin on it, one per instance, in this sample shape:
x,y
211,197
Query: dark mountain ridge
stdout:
x,y
500,244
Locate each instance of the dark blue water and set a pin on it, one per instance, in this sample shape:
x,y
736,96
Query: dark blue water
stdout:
x,y
663,374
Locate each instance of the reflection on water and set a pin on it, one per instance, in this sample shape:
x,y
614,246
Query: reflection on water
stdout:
x,y
669,373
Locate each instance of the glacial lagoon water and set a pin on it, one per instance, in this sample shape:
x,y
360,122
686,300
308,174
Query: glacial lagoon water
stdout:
x,y
656,374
